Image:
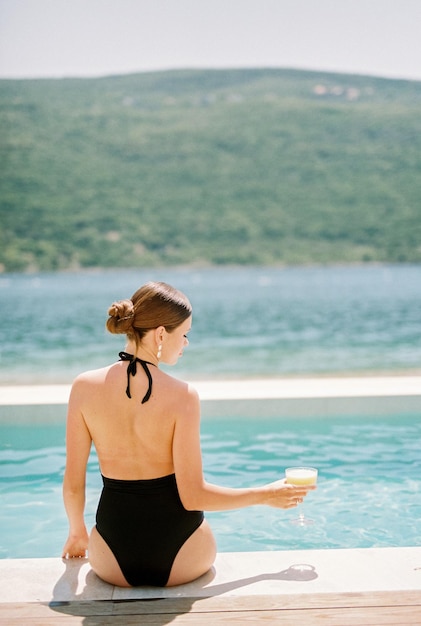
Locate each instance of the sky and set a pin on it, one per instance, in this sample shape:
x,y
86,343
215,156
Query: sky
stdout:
x,y
81,38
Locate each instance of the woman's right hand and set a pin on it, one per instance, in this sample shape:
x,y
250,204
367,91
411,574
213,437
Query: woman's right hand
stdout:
x,y
76,546
283,495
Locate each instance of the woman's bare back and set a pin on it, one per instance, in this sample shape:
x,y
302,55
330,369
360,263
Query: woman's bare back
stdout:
x,y
133,440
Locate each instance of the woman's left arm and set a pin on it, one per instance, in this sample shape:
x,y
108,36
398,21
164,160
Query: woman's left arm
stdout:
x,y
78,446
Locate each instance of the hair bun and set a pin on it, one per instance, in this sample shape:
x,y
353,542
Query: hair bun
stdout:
x,y
123,309
121,316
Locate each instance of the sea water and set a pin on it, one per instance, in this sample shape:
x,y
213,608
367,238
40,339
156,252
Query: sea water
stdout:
x,y
246,321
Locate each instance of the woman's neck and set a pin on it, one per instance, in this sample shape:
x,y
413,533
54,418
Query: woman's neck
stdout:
x,y
141,352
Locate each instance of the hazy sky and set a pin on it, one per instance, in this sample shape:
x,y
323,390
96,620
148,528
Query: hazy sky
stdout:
x,y
53,38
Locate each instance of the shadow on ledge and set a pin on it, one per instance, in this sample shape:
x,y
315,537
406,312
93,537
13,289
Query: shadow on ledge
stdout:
x,y
165,609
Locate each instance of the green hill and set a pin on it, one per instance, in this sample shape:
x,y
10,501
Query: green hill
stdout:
x,y
209,167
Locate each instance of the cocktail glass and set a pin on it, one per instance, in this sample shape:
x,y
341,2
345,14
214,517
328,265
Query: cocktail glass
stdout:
x,y
301,476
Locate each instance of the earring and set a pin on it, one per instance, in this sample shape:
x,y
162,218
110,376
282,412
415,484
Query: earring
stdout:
x,y
159,351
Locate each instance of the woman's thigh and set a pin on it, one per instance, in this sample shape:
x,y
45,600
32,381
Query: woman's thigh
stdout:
x,y
195,557
103,561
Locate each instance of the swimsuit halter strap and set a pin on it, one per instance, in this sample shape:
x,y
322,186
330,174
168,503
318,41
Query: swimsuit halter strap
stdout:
x,y
132,369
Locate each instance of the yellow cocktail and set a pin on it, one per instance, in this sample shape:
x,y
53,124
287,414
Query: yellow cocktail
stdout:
x,y
301,477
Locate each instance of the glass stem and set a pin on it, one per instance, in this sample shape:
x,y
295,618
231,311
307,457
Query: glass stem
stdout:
x,y
301,514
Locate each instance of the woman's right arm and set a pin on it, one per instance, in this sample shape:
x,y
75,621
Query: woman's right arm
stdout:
x,y
196,493
78,446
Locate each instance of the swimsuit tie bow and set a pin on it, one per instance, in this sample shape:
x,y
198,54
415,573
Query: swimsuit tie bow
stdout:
x,y
132,370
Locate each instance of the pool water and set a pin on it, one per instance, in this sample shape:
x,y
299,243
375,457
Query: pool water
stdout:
x,y
369,488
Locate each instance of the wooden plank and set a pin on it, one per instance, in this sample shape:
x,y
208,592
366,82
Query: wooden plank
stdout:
x,y
299,617
75,620
267,602
362,616
44,610
216,604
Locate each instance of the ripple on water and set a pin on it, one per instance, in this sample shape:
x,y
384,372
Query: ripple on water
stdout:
x,y
368,495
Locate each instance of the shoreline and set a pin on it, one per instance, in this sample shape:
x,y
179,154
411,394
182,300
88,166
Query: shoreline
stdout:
x,y
204,266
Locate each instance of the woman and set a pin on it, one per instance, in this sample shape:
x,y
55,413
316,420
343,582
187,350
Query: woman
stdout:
x,y
145,425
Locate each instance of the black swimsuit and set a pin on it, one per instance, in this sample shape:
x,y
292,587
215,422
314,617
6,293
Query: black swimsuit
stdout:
x,y
145,524
144,521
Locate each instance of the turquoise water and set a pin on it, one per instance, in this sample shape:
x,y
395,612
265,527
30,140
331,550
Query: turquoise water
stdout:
x,y
369,492
250,321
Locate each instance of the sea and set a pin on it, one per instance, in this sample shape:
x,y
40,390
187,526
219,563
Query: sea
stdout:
x,y
247,322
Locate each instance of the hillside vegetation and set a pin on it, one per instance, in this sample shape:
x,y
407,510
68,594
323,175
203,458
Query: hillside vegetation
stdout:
x,y
209,167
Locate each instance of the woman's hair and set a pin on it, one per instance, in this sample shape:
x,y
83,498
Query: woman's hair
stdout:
x,y
155,304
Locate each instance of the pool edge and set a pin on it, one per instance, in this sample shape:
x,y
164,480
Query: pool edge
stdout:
x,y
375,395
235,574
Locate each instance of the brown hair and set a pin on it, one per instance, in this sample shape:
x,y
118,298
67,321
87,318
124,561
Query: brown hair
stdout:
x,y
155,304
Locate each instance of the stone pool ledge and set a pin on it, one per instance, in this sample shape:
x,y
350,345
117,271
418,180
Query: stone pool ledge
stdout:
x,y
243,584
318,396
281,573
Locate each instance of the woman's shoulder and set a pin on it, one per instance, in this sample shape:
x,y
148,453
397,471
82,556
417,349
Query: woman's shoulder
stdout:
x,y
92,376
179,388
91,384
